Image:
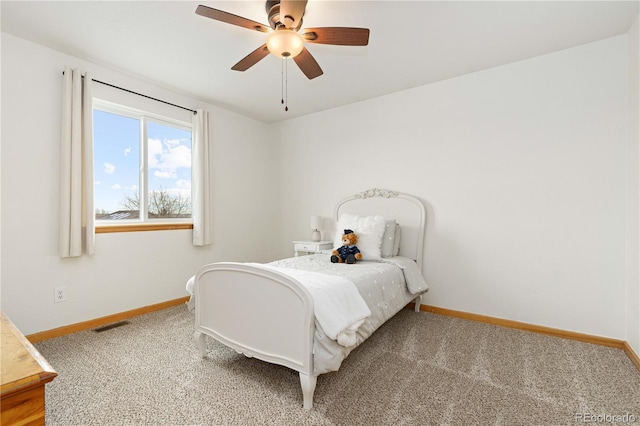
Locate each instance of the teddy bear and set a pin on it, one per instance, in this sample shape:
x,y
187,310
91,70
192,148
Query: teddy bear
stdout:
x,y
349,252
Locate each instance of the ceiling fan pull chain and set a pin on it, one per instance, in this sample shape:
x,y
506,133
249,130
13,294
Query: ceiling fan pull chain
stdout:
x,y
286,85
282,81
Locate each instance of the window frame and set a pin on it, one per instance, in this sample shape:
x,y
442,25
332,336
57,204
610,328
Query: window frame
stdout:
x,y
143,223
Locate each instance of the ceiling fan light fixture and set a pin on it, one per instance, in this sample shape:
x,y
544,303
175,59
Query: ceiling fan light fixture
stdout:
x,y
285,43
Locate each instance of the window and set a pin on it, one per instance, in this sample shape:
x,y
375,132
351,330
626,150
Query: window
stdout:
x,y
142,167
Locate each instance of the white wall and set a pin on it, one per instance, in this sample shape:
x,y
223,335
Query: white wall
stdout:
x,y
633,193
522,169
129,270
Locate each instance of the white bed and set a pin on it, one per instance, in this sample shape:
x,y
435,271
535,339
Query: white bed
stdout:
x,y
273,311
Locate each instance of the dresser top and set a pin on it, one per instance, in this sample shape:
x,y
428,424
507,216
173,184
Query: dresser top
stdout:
x,y
21,365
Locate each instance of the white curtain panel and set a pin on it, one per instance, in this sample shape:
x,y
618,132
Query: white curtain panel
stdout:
x,y
201,199
77,220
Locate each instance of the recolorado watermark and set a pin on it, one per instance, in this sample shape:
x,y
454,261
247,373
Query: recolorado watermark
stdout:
x,y
605,418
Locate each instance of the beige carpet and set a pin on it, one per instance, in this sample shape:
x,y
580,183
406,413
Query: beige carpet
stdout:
x,y
418,369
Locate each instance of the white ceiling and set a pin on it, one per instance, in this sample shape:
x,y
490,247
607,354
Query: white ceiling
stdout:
x,y
412,43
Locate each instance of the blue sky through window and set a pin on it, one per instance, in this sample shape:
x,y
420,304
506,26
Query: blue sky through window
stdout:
x,y
117,159
169,156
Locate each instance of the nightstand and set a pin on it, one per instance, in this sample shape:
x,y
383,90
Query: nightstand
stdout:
x,y
302,247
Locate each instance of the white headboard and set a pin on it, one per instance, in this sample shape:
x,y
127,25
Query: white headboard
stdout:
x,y
407,210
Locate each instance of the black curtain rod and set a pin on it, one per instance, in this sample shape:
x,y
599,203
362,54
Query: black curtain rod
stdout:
x,y
140,94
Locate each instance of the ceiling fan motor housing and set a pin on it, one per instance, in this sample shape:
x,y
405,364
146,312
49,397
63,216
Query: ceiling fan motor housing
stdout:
x,y
275,21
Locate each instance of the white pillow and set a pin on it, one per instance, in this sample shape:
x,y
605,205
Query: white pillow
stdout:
x,y
396,241
388,238
369,230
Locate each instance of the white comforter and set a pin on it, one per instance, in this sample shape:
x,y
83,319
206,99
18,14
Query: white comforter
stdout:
x,y
386,287
337,304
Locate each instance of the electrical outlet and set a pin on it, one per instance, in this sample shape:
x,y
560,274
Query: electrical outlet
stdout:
x,y
60,294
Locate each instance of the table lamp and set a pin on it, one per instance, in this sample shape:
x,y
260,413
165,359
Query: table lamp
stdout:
x,y
316,224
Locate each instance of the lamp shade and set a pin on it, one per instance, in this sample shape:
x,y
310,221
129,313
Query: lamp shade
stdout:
x,y
316,222
285,43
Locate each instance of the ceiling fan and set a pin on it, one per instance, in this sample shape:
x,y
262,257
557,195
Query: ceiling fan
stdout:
x,y
284,39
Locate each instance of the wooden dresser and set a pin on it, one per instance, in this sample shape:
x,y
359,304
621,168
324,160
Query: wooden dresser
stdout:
x,y
24,372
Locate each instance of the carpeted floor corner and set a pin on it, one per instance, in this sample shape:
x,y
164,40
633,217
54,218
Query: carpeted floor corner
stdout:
x,y
418,368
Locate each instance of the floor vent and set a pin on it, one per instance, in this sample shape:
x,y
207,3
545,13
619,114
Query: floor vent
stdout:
x,y
110,326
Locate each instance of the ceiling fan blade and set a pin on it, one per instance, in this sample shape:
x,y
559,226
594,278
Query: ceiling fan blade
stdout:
x,y
291,12
251,59
342,36
308,64
230,18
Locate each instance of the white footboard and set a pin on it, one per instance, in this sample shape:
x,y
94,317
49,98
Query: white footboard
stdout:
x,y
260,313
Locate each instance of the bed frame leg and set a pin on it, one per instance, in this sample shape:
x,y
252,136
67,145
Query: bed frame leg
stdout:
x,y
308,383
201,343
417,301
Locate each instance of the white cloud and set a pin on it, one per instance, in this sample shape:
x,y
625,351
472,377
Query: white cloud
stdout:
x,y
116,186
167,156
183,184
127,151
109,168
166,174
178,156
154,147
183,192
